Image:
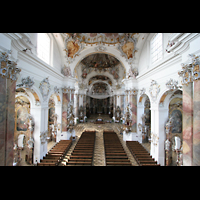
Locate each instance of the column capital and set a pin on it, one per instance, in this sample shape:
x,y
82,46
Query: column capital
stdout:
x,y
190,71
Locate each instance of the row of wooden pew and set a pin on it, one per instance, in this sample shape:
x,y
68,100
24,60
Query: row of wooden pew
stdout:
x,y
114,151
56,154
141,155
83,152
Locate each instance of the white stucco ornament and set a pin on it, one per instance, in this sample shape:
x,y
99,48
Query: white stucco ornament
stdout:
x,y
154,90
45,88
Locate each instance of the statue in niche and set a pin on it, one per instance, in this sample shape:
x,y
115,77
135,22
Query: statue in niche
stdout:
x,y
128,120
81,114
118,114
70,117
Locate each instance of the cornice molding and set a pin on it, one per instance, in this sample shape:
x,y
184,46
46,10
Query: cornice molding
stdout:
x,y
165,63
38,63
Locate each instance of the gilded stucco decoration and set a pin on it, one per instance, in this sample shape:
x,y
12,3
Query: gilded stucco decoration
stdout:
x,y
127,47
190,71
172,84
26,82
100,47
73,46
76,42
45,88
8,68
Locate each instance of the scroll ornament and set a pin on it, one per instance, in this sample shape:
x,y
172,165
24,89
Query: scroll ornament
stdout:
x,y
8,68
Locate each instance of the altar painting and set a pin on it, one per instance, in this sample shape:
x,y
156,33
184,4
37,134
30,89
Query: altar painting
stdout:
x,y
66,99
22,114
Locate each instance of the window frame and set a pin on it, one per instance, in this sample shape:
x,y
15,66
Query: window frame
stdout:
x,y
160,46
50,49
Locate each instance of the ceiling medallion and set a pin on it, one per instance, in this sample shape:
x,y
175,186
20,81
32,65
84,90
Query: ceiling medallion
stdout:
x,y
100,47
73,46
127,47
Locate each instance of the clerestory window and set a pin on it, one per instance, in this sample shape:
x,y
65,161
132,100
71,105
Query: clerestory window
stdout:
x,y
43,47
156,48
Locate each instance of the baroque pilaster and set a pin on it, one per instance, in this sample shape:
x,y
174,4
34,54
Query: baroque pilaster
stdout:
x,y
191,105
8,77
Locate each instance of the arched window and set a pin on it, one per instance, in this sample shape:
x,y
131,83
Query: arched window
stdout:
x,y
156,48
43,47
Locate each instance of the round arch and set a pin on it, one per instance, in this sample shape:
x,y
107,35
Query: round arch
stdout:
x,y
56,96
160,116
142,99
109,51
165,97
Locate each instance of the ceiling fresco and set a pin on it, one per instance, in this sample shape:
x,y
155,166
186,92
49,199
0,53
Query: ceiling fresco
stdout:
x,y
109,38
100,63
75,43
99,88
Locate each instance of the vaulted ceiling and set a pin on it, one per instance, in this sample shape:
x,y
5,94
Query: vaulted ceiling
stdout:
x,y
125,48
129,45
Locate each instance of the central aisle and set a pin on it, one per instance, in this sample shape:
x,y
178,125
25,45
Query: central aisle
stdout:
x,y
99,153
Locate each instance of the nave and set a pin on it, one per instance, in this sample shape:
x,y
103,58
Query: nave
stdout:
x,y
97,156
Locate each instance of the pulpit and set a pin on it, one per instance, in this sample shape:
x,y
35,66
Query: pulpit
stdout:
x,y
128,120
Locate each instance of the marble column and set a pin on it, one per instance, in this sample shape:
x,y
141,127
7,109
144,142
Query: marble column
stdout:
x,y
133,104
77,104
114,104
84,104
111,102
188,124
7,120
196,123
126,99
72,95
8,77
66,99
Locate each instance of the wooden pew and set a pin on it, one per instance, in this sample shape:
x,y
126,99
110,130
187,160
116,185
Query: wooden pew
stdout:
x,y
141,155
114,151
56,154
83,152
